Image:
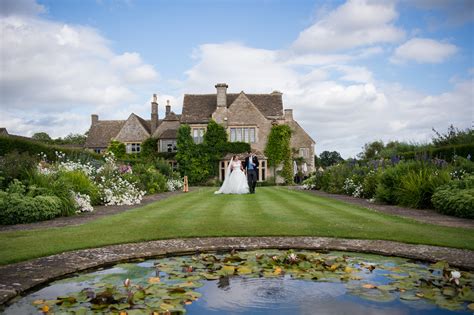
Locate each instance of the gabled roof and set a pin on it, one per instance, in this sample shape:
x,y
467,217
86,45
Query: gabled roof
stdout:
x,y
172,117
198,108
169,134
102,132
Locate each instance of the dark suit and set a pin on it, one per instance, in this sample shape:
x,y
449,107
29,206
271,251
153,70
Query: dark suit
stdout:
x,y
252,175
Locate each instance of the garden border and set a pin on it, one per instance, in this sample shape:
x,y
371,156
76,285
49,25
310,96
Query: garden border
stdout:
x,y
19,278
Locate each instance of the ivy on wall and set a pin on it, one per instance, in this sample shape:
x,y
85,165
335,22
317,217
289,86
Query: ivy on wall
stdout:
x,y
200,161
278,151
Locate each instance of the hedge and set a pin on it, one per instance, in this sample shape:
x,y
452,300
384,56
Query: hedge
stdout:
x,y
9,144
446,153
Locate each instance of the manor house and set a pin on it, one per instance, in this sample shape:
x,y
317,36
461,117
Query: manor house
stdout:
x,y
246,117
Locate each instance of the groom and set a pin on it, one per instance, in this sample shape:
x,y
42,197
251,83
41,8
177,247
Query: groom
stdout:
x,y
251,166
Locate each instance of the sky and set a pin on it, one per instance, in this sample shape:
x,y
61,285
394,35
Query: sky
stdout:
x,y
353,71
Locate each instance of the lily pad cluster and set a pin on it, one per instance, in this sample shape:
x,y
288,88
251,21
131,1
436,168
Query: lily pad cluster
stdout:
x,y
169,284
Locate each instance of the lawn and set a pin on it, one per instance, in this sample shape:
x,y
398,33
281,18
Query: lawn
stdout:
x,y
271,211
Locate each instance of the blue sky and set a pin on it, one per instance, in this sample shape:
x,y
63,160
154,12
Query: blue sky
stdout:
x,y
353,71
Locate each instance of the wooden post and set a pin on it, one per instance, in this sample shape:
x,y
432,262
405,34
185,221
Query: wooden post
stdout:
x,y
185,184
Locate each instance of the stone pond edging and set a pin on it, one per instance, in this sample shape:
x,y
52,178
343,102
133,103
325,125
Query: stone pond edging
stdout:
x,y
18,278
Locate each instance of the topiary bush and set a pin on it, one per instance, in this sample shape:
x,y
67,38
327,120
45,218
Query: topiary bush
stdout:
x,y
456,198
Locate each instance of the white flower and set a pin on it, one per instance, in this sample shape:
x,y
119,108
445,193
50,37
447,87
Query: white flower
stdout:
x,y
292,257
455,275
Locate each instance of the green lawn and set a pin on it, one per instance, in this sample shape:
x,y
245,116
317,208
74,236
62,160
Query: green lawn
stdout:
x,y
271,211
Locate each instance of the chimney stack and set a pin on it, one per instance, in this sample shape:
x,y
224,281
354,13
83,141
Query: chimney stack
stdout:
x,y
288,114
221,94
154,114
94,119
168,107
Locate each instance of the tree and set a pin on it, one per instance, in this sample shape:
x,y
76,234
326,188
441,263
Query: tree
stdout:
x,y
327,158
186,149
117,148
215,144
41,136
372,150
75,138
278,150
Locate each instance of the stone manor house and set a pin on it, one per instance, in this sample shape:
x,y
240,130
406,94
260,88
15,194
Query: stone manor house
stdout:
x,y
246,117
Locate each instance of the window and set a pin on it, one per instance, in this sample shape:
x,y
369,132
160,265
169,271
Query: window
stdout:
x,y
262,175
198,134
304,152
168,145
132,147
98,150
246,134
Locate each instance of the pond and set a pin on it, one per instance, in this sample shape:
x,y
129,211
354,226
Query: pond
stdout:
x,y
260,282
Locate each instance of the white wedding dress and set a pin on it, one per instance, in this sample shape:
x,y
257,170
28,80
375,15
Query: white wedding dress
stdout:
x,y
235,181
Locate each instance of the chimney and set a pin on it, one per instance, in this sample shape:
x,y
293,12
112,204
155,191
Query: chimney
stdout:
x,y
94,119
168,107
288,114
154,114
221,94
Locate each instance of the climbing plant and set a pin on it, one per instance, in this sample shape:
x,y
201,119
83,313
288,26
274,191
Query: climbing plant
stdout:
x,y
278,151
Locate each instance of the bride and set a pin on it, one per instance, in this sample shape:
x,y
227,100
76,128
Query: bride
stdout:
x,y
235,181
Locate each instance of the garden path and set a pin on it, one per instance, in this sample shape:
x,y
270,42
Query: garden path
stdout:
x,y
421,215
99,212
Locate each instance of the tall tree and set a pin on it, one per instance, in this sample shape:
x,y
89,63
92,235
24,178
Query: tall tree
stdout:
x,y
186,148
215,140
328,158
372,150
41,136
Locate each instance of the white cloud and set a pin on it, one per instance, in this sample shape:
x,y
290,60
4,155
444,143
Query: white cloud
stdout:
x,y
355,23
339,114
424,50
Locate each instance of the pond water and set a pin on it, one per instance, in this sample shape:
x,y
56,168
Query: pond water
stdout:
x,y
260,282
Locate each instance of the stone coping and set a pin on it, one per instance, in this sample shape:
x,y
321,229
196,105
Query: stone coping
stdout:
x,y
19,278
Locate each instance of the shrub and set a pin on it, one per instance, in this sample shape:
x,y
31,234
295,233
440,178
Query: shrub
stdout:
x,y
16,208
333,178
16,165
79,182
456,198
117,148
369,184
389,181
148,179
417,186
51,185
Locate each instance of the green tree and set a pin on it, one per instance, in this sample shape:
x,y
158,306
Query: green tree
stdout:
x,y
42,136
76,138
372,150
278,150
117,148
215,145
328,158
